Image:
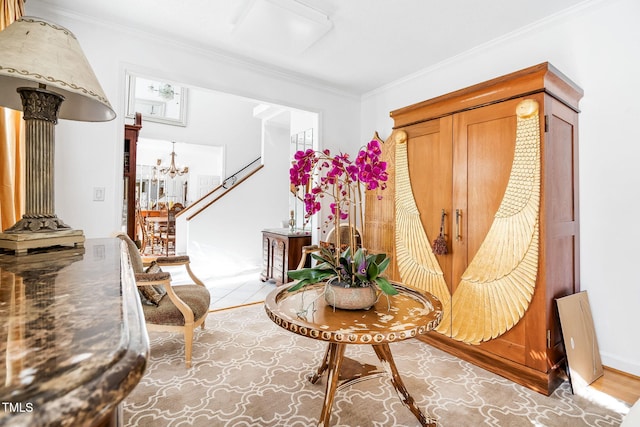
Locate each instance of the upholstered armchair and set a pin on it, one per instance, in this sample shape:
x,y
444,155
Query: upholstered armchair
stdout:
x,y
180,308
330,242
306,252
344,231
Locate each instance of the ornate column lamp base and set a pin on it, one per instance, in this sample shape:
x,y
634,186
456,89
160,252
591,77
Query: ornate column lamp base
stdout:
x,y
37,55
21,243
39,227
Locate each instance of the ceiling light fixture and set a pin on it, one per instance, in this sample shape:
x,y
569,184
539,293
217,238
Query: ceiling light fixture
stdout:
x,y
286,26
172,170
164,90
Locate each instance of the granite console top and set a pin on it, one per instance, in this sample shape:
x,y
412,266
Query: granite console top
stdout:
x,y
73,342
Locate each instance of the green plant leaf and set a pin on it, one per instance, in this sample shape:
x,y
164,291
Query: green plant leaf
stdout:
x,y
385,286
372,271
344,262
324,256
298,274
346,253
319,277
297,286
383,264
310,274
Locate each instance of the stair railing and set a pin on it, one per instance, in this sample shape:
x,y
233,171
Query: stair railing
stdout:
x,y
222,189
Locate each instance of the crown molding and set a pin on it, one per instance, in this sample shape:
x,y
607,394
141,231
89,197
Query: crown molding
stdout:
x,y
201,50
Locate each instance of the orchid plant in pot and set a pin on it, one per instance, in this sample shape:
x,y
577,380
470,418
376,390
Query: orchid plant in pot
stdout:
x,y
319,176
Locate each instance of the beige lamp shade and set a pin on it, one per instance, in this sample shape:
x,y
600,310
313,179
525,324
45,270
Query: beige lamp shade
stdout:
x,y
33,52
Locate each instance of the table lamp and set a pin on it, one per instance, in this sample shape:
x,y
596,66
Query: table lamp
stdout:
x,y
44,73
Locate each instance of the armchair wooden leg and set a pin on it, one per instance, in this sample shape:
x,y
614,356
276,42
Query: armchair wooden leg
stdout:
x,y
188,343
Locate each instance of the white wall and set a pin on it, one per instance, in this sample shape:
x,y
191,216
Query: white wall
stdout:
x,y
229,232
596,45
213,119
89,155
226,120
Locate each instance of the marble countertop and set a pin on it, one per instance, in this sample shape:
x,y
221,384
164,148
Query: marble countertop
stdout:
x,y
73,342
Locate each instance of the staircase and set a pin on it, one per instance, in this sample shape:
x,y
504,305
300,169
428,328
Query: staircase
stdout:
x,y
201,205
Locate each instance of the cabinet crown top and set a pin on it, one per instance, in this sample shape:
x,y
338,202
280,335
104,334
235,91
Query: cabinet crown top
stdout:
x,y
539,78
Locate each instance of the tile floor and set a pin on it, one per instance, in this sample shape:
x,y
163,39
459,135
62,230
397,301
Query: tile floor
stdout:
x,y
241,289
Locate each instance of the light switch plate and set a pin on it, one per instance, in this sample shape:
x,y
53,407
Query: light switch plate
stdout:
x,y
98,194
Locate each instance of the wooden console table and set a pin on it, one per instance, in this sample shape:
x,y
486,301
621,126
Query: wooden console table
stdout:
x,y
305,313
73,339
282,250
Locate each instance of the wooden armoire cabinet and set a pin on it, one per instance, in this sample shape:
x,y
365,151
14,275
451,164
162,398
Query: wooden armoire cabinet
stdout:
x,y
502,183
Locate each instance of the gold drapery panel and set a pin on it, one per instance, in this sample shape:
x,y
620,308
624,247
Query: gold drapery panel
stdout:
x,y
11,142
11,10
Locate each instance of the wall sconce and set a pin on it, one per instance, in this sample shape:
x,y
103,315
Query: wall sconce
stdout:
x,y
44,63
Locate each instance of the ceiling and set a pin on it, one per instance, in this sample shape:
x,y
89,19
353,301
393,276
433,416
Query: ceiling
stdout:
x,y
362,44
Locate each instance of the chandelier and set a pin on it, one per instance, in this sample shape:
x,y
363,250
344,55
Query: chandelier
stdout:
x,y
172,170
165,91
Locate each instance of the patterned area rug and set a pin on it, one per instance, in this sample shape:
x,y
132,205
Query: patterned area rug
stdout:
x,y
249,372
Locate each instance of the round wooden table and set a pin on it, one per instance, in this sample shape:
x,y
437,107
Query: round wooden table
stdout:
x,y
399,317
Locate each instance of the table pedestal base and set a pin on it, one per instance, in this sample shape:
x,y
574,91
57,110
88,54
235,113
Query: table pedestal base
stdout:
x,y
333,361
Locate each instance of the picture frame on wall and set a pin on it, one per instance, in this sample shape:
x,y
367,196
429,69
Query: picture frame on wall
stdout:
x,y
157,100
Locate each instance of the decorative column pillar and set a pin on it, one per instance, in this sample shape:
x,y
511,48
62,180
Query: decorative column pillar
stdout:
x,y
39,226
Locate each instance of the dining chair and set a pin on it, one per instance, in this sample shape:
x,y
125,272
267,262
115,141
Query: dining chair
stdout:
x,y
142,234
168,235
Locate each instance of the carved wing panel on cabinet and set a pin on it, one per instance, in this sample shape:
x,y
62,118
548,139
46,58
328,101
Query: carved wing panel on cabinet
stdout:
x,y
495,289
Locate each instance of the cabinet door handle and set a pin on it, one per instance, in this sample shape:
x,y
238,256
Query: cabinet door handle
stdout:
x,y
458,216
